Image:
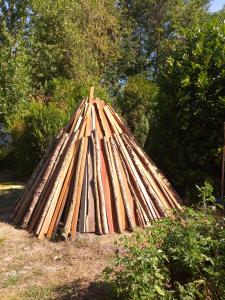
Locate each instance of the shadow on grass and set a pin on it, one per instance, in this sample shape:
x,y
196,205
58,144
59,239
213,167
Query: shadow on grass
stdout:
x,y
9,192
80,290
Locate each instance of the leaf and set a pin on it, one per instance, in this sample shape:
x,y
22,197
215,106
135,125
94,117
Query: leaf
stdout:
x,y
159,290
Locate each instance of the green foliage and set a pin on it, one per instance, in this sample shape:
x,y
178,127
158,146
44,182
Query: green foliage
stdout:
x,y
14,75
205,193
137,104
78,40
153,24
11,280
190,109
182,258
33,133
38,293
51,52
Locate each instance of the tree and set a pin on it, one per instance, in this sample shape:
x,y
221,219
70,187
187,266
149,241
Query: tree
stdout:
x,y
155,23
14,75
190,112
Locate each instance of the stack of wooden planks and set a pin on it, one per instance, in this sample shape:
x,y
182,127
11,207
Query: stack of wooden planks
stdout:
x,y
93,178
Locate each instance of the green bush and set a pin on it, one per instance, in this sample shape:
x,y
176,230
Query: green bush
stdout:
x,y
33,132
137,104
186,135
38,121
182,258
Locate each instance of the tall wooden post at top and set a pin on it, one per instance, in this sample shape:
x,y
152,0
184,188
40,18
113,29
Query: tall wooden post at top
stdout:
x,y
91,95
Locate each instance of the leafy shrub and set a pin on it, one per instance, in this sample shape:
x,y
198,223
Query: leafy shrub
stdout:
x,y
206,193
137,104
33,132
187,133
182,258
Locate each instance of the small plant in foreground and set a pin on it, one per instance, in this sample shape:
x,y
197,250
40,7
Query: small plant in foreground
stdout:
x,y
205,193
182,258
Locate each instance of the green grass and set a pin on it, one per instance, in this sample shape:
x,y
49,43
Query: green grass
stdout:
x,y
38,293
9,192
11,280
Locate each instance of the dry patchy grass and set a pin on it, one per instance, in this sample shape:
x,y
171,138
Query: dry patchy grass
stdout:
x,y
41,269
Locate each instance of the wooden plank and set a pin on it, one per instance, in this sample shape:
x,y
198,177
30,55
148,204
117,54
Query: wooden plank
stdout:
x,y
116,128
83,201
24,201
73,120
106,128
90,219
91,95
38,169
106,187
133,173
104,221
63,195
50,205
122,187
158,177
99,128
125,178
68,223
160,211
78,190
114,198
95,183
119,207
137,211
40,187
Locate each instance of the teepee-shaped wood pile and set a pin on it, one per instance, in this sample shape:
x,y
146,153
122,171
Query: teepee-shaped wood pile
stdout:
x,y
93,178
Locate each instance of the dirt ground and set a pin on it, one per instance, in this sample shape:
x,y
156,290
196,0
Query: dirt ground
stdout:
x,y
39,270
